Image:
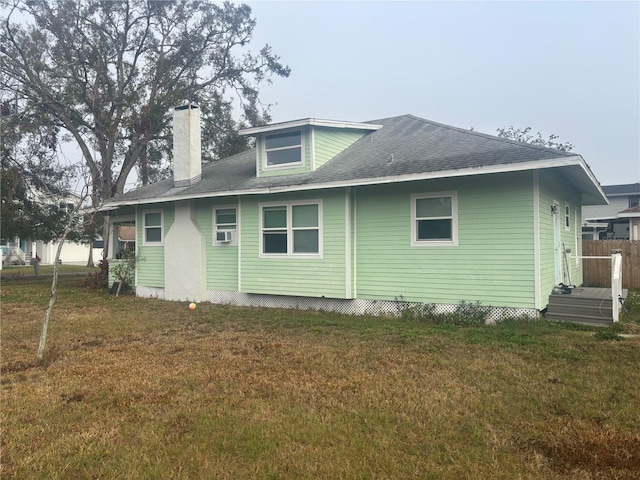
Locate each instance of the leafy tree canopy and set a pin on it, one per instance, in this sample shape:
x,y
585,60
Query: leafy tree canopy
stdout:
x,y
34,186
525,136
106,75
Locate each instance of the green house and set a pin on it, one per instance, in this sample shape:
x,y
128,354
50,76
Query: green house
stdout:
x,y
355,217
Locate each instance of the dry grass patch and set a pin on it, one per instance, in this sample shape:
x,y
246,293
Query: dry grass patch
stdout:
x,y
135,388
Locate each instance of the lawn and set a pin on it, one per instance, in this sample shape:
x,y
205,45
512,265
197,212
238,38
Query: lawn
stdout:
x,y
142,388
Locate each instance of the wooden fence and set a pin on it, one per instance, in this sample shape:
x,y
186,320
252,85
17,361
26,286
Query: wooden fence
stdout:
x,y
597,272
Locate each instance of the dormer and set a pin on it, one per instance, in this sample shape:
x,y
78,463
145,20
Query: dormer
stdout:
x,y
303,146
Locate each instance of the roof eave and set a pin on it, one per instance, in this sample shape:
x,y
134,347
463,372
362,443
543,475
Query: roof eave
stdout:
x,y
595,194
310,121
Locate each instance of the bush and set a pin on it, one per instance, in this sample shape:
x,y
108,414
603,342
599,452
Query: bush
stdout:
x,y
632,305
464,314
99,279
125,271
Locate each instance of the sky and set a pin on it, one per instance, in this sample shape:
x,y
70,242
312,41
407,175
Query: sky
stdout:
x,y
566,68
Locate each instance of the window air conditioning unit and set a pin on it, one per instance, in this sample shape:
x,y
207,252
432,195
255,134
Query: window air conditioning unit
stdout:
x,y
224,237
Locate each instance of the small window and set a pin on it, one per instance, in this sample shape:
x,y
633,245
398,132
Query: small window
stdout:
x,y
291,229
152,226
283,148
434,220
634,201
224,226
567,217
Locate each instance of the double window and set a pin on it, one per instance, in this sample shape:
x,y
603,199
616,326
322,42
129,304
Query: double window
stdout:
x,y
434,219
283,149
152,226
291,229
224,225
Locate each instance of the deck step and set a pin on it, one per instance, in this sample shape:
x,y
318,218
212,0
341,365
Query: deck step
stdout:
x,y
589,306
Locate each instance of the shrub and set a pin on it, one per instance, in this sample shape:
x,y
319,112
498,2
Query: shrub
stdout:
x,y
465,313
125,271
100,278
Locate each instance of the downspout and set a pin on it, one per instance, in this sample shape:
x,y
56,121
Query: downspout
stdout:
x,y
239,241
347,241
355,242
137,252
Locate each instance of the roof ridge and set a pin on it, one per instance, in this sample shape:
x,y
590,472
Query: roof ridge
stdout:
x,y
487,135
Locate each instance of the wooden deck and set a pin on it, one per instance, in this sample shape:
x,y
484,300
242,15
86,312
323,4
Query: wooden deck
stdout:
x,y
588,306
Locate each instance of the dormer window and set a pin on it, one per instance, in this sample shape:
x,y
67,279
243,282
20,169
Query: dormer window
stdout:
x,y
283,149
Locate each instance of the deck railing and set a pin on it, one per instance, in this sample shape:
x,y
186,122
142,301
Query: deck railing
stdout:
x,y
615,279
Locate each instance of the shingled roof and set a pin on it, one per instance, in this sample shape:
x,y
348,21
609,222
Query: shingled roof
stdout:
x,y
622,190
405,148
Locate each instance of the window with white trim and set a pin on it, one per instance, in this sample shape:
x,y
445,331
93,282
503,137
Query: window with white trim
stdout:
x,y
224,225
152,226
283,149
434,219
291,229
567,217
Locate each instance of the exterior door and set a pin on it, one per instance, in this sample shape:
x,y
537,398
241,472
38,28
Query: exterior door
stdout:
x,y
557,243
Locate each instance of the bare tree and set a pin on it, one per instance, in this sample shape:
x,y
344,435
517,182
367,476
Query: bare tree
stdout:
x,y
524,135
72,223
108,73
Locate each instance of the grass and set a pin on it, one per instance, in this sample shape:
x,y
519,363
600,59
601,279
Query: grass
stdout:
x,y
11,272
141,388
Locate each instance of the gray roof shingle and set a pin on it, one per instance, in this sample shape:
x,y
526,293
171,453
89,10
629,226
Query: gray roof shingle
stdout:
x,y
622,190
405,145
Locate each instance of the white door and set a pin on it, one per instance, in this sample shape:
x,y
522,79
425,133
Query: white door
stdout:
x,y
557,243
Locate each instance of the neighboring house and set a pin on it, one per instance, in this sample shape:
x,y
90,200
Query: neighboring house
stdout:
x,y
357,217
619,220
18,251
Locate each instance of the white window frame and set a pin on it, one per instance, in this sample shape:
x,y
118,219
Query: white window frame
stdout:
x,y
567,217
265,150
289,206
144,229
454,220
234,231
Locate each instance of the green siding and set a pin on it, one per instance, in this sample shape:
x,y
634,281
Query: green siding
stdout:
x,y
493,262
296,276
150,259
221,260
553,188
329,142
122,211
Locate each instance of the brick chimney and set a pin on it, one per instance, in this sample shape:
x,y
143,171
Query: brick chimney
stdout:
x,y
187,155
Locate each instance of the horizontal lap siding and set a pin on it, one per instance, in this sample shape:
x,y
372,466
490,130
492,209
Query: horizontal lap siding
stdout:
x,y
493,262
293,276
150,259
553,188
330,142
221,260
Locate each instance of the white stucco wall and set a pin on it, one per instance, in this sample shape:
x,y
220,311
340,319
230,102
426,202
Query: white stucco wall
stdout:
x,y
184,256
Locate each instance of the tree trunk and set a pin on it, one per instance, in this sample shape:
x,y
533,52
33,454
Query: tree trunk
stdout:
x,y
90,260
54,281
52,300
